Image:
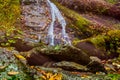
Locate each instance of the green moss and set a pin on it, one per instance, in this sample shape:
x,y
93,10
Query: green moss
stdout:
x,y
9,15
114,34
76,40
9,11
109,41
98,40
114,76
110,35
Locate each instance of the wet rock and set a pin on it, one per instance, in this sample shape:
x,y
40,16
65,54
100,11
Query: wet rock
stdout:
x,y
71,66
22,46
64,53
36,15
27,2
95,66
93,58
38,60
91,49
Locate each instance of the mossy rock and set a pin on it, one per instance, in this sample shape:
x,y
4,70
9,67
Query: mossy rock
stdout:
x,y
107,43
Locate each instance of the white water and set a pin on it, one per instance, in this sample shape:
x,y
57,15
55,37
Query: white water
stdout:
x,y
55,14
37,1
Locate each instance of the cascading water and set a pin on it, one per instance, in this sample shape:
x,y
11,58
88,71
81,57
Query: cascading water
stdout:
x,y
37,1
55,14
36,18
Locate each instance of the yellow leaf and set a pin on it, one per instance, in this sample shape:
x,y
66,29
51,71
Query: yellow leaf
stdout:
x,y
48,75
32,67
43,77
19,56
2,67
56,77
13,73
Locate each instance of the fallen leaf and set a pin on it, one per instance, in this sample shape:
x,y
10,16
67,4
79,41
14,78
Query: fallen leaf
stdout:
x,y
2,67
19,56
13,73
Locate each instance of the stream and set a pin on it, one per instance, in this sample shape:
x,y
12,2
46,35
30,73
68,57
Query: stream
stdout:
x,y
47,21
55,14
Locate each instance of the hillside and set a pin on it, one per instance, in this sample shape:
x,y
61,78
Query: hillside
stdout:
x,y
60,40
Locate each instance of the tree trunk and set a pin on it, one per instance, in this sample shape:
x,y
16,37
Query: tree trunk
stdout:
x,y
95,6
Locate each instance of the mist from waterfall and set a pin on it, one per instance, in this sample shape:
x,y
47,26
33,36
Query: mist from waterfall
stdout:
x,y
55,14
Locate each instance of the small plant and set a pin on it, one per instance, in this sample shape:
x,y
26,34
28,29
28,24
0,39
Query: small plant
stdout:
x,y
9,15
114,76
112,41
10,36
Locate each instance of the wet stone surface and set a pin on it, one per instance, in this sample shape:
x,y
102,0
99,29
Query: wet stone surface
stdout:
x,y
36,18
36,15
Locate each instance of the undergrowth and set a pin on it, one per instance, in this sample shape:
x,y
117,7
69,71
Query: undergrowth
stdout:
x,y
9,15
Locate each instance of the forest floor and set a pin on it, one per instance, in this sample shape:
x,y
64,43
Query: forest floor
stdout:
x,y
14,65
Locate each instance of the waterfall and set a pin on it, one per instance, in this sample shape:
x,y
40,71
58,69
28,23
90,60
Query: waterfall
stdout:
x,y
55,14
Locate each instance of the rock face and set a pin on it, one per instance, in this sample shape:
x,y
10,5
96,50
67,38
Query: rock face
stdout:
x,y
35,14
91,50
37,17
